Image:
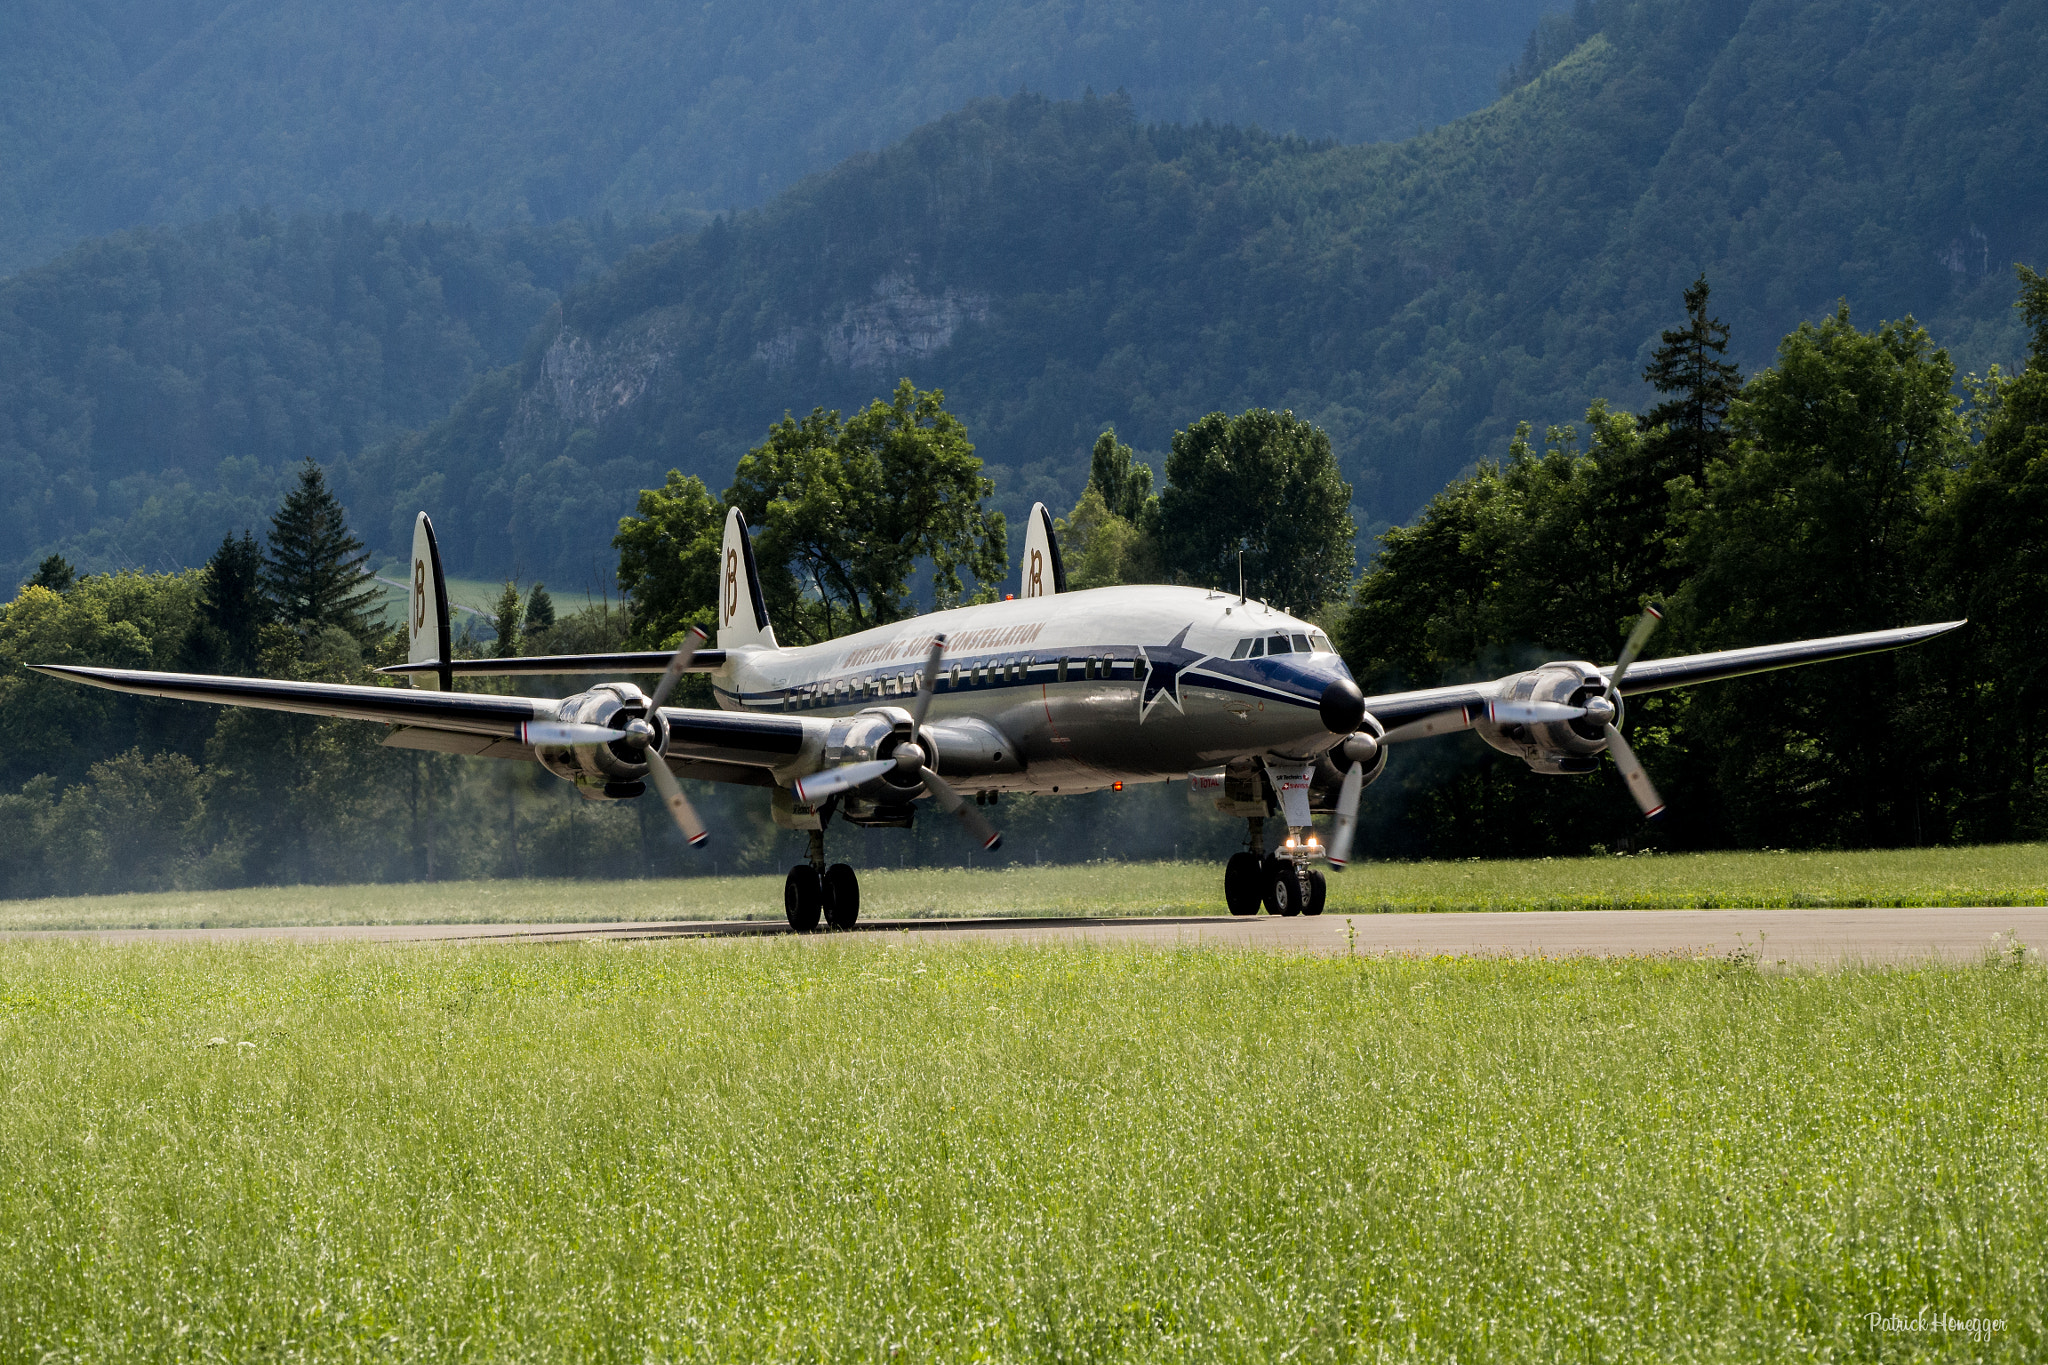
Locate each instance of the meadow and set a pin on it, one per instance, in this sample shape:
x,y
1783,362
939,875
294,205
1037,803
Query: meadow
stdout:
x,y
2008,874
855,1149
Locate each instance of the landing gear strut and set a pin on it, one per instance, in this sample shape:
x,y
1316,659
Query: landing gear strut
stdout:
x,y
813,889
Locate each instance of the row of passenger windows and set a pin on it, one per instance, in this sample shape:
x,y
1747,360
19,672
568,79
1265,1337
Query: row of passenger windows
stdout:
x,y
1259,646
841,691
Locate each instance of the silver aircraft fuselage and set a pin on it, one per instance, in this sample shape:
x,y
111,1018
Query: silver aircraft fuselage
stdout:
x,y
1124,684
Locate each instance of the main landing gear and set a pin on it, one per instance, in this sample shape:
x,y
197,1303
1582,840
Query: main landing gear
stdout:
x,y
812,889
1284,885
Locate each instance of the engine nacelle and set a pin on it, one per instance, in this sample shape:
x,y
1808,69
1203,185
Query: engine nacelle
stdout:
x,y
603,772
1554,746
873,734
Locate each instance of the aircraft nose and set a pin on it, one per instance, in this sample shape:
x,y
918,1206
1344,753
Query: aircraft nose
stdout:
x,y
1342,706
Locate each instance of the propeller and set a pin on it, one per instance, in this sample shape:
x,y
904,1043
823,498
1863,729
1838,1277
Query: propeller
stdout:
x,y
638,733
1639,784
907,757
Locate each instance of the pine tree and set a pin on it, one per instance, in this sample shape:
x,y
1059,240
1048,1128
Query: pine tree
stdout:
x,y
232,609
313,571
505,620
54,573
1688,363
540,610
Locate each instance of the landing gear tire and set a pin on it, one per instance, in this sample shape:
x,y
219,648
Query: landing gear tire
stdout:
x,y
803,896
1318,892
842,896
1241,883
1281,887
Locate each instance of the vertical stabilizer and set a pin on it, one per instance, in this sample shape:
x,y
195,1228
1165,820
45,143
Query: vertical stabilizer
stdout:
x,y
742,614
426,620
1044,575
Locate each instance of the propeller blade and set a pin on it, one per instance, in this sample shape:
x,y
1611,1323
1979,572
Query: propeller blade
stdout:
x,y
953,803
692,642
816,787
928,685
566,732
678,804
1646,626
1346,823
1639,785
1442,723
1465,717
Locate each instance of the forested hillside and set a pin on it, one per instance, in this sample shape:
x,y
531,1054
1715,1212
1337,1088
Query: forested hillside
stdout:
x,y
1056,268
157,388
119,113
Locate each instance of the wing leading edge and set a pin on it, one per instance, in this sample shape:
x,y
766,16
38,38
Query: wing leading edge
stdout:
x,y
1659,674
437,720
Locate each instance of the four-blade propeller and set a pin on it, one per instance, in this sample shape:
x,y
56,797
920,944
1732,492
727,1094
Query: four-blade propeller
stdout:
x,y
908,756
638,734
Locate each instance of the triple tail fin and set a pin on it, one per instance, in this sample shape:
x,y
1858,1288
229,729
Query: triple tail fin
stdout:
x,y
742,614
426,618
1044,574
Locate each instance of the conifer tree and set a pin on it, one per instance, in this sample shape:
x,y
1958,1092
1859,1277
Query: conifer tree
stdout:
x,y
1689,364
232,609
540,610
54,573
505,619
313,570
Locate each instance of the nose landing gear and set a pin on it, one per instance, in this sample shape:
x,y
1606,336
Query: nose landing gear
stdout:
x,y
1283,882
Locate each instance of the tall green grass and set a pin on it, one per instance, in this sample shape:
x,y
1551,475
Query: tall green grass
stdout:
x,y
2011,874
864,1150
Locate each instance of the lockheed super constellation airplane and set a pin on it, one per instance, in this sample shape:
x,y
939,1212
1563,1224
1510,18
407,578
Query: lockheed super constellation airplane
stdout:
x,y
1050,691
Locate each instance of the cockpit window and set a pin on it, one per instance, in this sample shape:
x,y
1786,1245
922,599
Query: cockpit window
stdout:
x,y
1244,647
1278,645
1302,646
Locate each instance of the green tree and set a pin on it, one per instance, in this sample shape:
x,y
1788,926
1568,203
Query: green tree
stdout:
x,y
1689,362
847,510
1817,524
1124,481
1991,564
313,569
540,610
668,560
1265,483
233,609
54,573
506,618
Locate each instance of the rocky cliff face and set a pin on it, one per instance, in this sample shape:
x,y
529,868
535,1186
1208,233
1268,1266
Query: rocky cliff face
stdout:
x,y
898,323
582,384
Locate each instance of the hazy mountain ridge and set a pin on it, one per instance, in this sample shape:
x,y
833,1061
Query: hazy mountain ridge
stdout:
x,y
1057,267
123,112
1415,299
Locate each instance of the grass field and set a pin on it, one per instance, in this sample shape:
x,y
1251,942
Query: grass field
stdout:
x,y
811,1150
2011,874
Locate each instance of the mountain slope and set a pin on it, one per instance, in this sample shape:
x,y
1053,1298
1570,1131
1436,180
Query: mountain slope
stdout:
x,y
156,388
124,112
1058,267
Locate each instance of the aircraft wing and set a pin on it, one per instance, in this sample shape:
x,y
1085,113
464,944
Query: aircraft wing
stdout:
x,y
607,665
1654,675
716,745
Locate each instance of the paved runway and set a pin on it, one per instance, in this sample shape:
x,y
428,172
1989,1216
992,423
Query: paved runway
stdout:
x,y
1797,937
